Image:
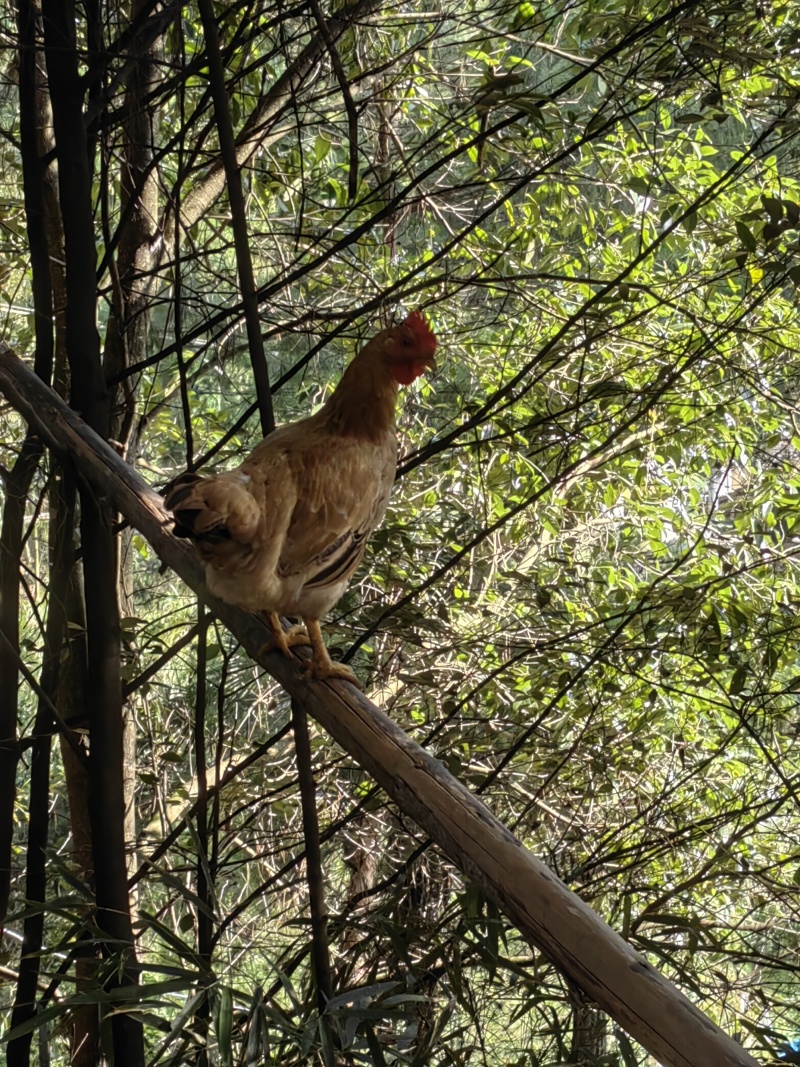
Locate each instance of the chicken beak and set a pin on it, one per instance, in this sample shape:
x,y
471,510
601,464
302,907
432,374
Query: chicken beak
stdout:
x,y
429,354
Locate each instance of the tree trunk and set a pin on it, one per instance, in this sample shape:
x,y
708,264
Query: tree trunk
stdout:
x,y
85,1022
32,119
61,551
589,1033
89,395
133,284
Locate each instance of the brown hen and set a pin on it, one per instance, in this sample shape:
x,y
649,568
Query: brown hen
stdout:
x,y
283,533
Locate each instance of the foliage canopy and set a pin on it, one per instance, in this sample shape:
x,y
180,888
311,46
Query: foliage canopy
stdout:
x,y
584,597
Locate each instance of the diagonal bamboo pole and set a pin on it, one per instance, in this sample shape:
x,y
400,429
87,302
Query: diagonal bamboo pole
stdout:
x,y
542,908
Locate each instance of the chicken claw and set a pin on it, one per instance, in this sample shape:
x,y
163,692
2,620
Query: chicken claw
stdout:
x,y
321,667
283,640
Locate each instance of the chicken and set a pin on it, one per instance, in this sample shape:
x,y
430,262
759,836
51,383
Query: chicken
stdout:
x,y
283,533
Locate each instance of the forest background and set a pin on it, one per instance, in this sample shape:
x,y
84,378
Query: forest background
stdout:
x,y
583,599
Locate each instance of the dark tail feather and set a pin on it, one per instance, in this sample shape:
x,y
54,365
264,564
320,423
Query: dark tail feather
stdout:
x,y
178,492
212,510
179,489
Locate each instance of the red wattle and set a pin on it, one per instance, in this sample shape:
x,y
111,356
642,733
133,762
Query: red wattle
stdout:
x,y
406,371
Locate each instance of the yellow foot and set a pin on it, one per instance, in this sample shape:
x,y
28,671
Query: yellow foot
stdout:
x,y
322,670
284,640
321,666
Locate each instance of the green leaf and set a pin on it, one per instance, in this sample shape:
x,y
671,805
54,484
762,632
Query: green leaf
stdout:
x,y
773,206
224,1025
322,147
739,679
745,236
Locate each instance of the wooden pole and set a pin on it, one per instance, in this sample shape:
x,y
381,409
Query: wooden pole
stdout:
x,y
543,909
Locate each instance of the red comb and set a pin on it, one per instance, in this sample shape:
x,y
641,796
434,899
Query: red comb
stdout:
x,y
417,322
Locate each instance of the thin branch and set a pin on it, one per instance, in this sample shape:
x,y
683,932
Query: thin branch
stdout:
x,y
347,97
244,262
320,951
64,728
255,132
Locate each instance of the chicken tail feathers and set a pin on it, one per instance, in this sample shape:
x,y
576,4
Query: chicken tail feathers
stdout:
x,y
213,510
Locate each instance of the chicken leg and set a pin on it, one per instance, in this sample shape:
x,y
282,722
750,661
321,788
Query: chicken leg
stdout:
x,y
321,666
283,640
